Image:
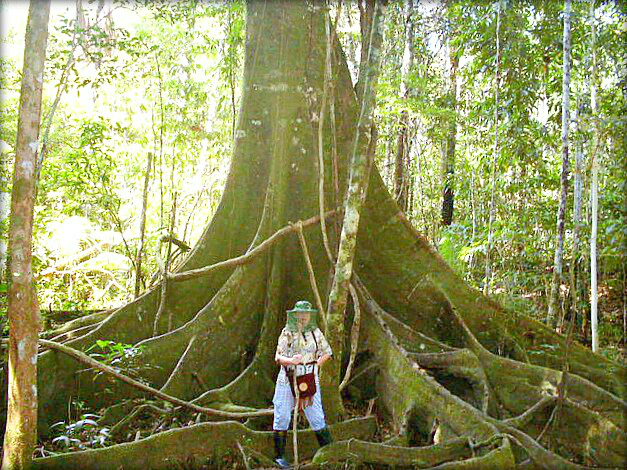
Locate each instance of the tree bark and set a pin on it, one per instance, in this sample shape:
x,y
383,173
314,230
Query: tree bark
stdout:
x,y
403,142
495,155
23,312
557,278
5,208
89,361
361,161
448,155
594,191
577,201
142,227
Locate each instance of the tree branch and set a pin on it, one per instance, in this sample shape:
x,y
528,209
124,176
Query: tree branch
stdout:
x,y
521,420
311,273
250,255
354,337
85,359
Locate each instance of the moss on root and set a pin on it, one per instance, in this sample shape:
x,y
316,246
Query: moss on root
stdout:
x,y
196,445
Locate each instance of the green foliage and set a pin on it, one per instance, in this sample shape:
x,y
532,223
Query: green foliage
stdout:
x,y
145,77
79,264
120,356
81,180
112,352
529,124
450,246
82,434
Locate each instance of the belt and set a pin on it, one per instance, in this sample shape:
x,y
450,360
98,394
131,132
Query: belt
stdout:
x,y
302,369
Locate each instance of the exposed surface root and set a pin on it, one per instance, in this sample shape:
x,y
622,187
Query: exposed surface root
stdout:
x,y
371,452
461,363
410,394
201,444
77,327
454,454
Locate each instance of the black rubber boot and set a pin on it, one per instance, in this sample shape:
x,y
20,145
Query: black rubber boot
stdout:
x,y
280,438
324,437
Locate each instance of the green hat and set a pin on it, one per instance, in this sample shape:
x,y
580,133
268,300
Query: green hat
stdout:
x,y
303,306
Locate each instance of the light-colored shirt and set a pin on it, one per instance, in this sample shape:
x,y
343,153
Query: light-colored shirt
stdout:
x,y
311,345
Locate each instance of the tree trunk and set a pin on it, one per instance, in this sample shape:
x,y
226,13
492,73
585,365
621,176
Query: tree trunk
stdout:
x,y
594,188
361,161
556,282
142,227
431,348
594,291
577,200
23,312
5,207
495,156
401,176
403,142
448,155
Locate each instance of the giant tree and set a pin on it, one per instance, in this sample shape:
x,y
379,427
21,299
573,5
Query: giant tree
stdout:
x,y
439,355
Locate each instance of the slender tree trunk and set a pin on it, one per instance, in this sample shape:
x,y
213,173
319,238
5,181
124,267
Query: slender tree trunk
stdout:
x,y
594,294
77,37
366,12
554,299
21,427
576,264
168,256
403,145
142,227
594,191
448,156
473,205
624,264
488,263
577,197
358,180
401,169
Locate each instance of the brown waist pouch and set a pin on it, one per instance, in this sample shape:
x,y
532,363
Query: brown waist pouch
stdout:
x,y
306,382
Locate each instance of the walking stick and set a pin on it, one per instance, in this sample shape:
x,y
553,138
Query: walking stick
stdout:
x,y
295,420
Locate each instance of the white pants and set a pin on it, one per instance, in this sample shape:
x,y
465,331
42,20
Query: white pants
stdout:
x,y
284,408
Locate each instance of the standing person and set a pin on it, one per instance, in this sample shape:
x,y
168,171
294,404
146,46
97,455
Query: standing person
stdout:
x,y
302,349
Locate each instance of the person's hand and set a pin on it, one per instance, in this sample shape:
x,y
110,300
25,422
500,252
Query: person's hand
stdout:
x,y
322,359
297,359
